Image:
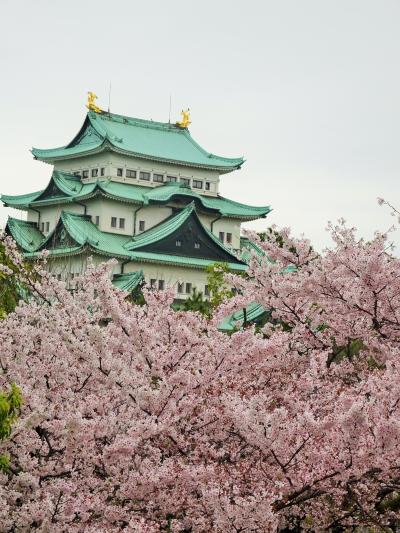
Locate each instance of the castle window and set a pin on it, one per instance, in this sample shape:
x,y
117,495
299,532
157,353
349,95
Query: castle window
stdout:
x,y
186,181
171,178
158,178
77,174
161,284
42,227
206,290
120,172
229,238
122,223
145,176
85,174
59,277
178,243
181,286
95,172
197,184
188,288
102,171
221,236
130,173
197,245
47,226
97,220
142,225
153,283
207,185
113,222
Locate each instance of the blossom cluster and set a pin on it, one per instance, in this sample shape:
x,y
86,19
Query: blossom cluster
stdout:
x,y
143,419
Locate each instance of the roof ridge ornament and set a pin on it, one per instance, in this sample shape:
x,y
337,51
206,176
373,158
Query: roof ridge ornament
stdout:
x,y
90,103
184,123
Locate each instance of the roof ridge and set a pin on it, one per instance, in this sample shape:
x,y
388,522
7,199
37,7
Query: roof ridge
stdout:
x,y
141,122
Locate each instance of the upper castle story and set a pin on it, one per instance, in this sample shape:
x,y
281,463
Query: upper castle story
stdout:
x,y
137,151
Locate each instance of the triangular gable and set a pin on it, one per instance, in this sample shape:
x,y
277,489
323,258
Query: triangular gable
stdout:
x,y
61,185
60,237
86,135
185,236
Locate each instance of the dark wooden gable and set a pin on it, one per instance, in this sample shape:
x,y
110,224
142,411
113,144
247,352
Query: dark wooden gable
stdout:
x,y
190,240
51,191
60,238
86,135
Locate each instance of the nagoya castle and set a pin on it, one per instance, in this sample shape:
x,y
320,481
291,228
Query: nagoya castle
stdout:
x,y
142,192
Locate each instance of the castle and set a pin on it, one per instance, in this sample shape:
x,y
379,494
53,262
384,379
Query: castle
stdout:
x,y
143,192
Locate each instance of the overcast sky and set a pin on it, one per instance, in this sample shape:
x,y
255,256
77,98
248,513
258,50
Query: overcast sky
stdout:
x,y
307,90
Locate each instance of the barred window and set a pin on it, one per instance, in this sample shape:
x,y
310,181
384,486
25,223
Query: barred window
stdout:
x,y
130,173
197,184
145,176
158,178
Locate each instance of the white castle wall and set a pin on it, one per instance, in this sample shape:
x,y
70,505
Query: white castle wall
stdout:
x,y
171,275
111,161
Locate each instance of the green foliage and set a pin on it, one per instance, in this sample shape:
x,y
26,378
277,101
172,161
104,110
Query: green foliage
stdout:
x,y
10,404
197,302
9,285
136,297
271,235
217,286
218,289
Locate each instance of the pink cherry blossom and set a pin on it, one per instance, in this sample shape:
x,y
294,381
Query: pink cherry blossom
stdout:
x,y
142,419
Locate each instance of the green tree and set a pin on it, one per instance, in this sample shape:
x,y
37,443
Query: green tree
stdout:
x,y
10,292
217,286
197,302
218,290
10,405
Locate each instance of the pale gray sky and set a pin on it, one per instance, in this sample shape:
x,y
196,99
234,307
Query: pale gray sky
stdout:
x,y
307,90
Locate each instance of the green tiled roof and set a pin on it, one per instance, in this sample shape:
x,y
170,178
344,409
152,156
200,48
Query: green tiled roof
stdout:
x,y
26,234
177,260
225,207
145,139
65,188
254,312
76,233
82,230
20,200
248,246
128,282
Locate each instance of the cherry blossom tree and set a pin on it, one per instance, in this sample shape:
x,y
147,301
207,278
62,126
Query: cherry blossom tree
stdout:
x,y
139,418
